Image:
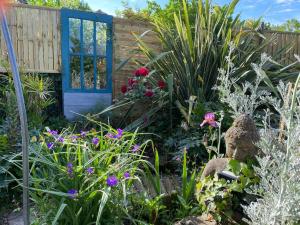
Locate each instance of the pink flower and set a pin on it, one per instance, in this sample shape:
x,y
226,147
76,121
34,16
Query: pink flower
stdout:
x,y
143,71
149,93
210,119
124,89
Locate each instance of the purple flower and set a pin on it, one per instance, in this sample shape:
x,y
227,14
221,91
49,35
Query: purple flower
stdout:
x,y
210,119
112,181
53,132
83,133
74,138
109,135
136,148
50,145
117,136
90,170
60,139
95,141
70,169
120,133
73,193
126,175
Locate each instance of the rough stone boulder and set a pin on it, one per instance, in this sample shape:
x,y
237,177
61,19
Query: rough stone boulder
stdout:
x,y
214,166
241,137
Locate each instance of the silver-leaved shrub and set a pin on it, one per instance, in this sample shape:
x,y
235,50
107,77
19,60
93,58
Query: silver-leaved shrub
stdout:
x,y
278,193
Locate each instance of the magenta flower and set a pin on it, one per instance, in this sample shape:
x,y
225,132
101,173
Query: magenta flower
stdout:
x,y
95,141
126,175
50,145
210,119
73,193
90,170
112,181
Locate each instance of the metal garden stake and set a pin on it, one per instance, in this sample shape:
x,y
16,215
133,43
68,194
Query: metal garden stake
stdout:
x,y
22,113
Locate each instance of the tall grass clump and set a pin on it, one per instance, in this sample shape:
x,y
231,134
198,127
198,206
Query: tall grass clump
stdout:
x,y
84,178
198,46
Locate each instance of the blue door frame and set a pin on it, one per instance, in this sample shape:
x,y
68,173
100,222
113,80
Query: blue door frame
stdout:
x,y
66,14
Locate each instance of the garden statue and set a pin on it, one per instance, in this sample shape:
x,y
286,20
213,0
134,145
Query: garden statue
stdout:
x,y
240,141
241,137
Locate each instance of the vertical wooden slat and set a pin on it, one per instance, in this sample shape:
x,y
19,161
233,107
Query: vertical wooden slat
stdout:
x,y
25,37
40,40
50,41
20,37
55,41
58,28
45,37
31,38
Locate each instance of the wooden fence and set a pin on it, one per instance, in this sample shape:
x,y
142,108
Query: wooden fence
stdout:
x,y
282,39
36,33
36,36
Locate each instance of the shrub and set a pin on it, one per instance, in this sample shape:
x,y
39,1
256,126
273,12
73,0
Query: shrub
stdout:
x,y
279,168
222,198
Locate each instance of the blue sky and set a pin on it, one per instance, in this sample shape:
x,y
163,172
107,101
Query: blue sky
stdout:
x,y
274,11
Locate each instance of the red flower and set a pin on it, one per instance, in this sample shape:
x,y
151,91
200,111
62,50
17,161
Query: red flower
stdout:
x,y
161,84
124,89
132,82
149,93
143,71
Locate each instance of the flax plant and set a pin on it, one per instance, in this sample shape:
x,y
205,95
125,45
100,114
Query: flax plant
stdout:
x,y
196,47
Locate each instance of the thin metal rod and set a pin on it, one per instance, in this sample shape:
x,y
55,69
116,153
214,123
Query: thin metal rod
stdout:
x,y
22,114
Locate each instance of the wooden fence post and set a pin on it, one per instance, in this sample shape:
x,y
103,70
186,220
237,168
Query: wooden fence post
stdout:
x,y
22,114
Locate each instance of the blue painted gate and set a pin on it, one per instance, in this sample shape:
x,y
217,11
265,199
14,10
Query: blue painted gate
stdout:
x,y
87,48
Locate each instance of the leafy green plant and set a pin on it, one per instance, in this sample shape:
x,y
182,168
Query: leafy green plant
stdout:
x,y
198,48
219,197
84,178
160,206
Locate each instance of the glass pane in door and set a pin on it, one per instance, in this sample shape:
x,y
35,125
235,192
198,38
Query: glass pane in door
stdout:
x,y
101,37
75,71
74,35
101,73
88,72
88,37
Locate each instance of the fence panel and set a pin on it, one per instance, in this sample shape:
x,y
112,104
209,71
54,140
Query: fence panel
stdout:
x,y
35,33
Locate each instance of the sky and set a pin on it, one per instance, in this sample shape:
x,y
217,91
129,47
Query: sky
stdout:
x,y
274,11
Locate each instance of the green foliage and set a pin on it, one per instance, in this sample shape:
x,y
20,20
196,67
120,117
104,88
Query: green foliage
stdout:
x,y
83,163
154,11
292,25
196,47
37,95
72,4
222,198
